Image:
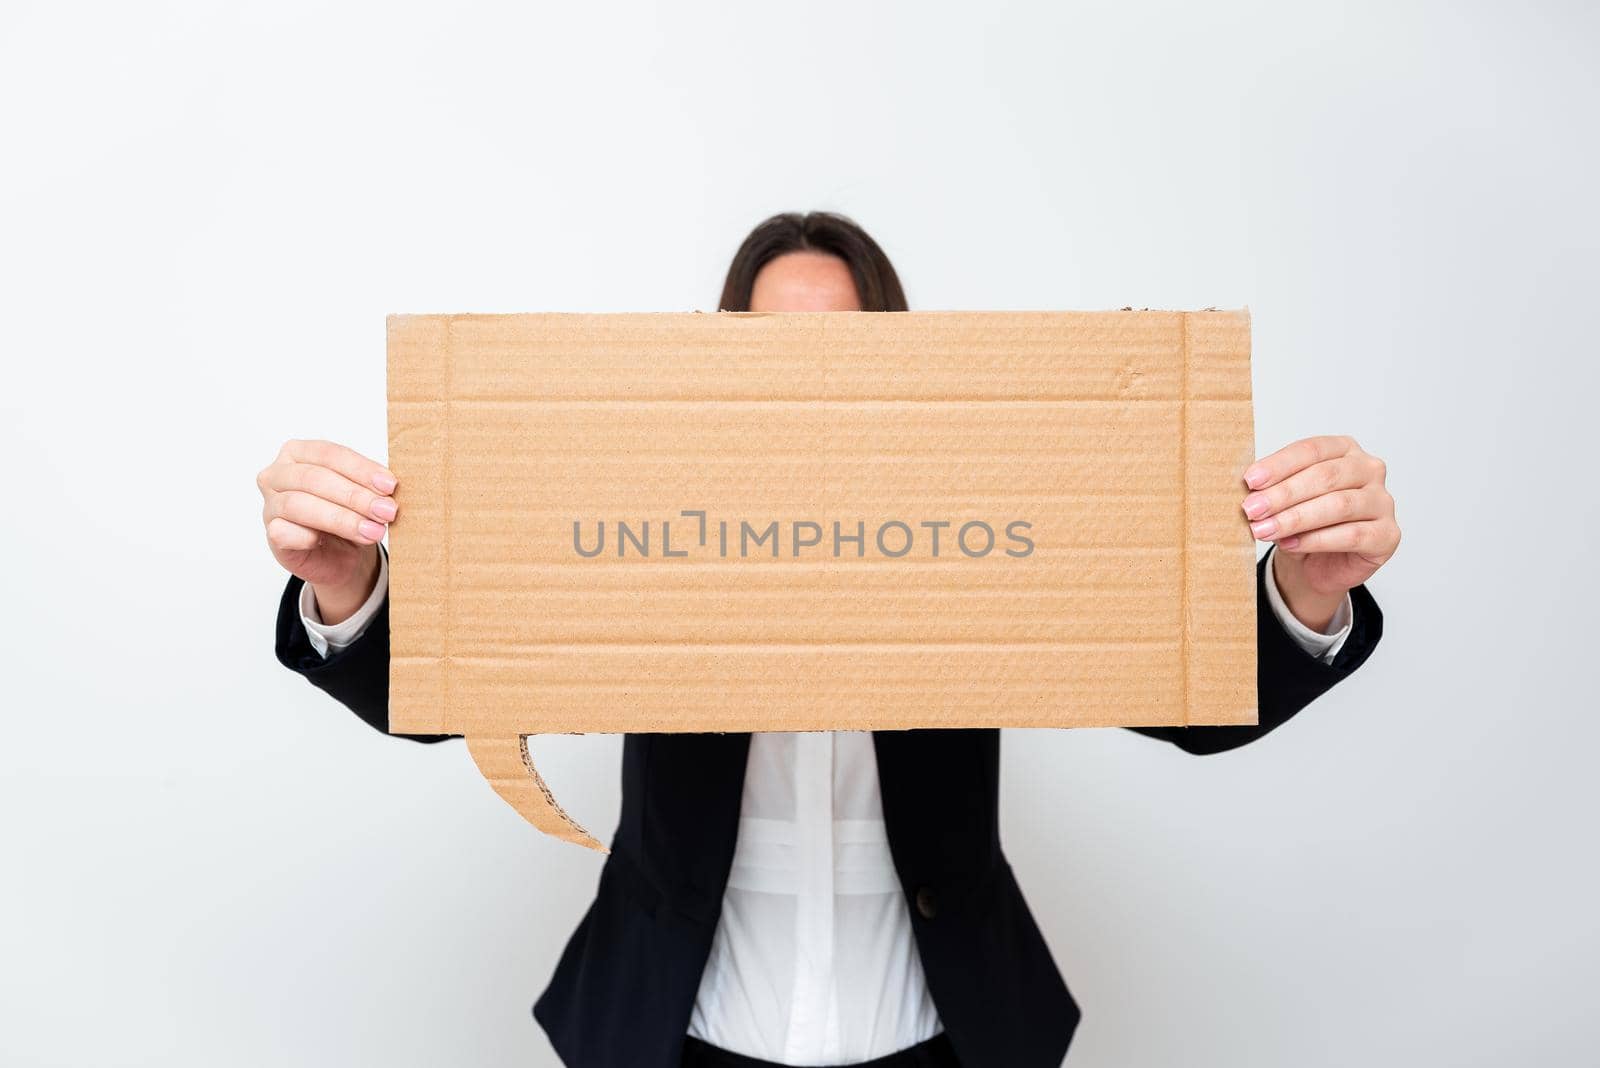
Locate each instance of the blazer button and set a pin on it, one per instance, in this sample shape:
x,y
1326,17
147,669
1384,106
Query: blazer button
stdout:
x,y
927,903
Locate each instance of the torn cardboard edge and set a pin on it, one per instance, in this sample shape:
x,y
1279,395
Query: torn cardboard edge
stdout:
x,y
1122,436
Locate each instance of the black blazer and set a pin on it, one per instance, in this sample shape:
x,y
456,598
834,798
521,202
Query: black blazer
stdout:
x,y
625,986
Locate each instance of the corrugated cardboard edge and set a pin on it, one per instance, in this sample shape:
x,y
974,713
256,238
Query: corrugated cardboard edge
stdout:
x,y
508,767
1216,398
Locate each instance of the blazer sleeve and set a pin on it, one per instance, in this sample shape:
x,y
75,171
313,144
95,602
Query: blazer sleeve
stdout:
x,y
1287,677
356,676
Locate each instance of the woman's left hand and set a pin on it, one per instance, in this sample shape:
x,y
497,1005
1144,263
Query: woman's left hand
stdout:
x,y
1323,502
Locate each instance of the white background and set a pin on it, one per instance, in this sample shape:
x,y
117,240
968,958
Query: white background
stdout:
x,y
208,211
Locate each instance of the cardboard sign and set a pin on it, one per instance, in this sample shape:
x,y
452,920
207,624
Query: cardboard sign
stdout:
x,y
818,521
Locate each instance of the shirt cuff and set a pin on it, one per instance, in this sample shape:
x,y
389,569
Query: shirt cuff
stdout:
x,y
330,638
1323,646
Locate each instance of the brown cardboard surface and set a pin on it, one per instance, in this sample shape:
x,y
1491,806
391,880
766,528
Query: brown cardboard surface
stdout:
x,y
1118,438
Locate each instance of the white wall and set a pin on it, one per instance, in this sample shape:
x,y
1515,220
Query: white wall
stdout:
x,y
207,213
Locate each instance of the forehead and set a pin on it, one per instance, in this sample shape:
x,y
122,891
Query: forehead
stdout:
x,y
804,281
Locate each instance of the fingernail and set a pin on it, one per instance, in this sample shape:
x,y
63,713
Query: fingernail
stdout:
x,y
1289,543
1254,476
1255,505
383,482
1264,529
383,508
369,529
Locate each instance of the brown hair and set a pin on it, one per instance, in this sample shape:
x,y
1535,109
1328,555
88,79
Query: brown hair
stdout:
x,y
877,286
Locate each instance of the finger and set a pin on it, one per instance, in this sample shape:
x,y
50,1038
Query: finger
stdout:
x,y
309,510
330,485
1368,538
1340,506
1294,457
285,536
346,461
1316,480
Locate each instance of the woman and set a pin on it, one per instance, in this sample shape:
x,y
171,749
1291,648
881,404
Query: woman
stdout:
x,y
824,899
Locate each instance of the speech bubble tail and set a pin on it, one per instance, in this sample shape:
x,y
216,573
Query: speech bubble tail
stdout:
x,y
508,767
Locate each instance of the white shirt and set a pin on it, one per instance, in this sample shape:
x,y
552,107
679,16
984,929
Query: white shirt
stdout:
x,y
813,961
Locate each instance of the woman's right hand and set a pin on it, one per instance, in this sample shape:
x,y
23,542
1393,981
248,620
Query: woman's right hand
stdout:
x,y
326,508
